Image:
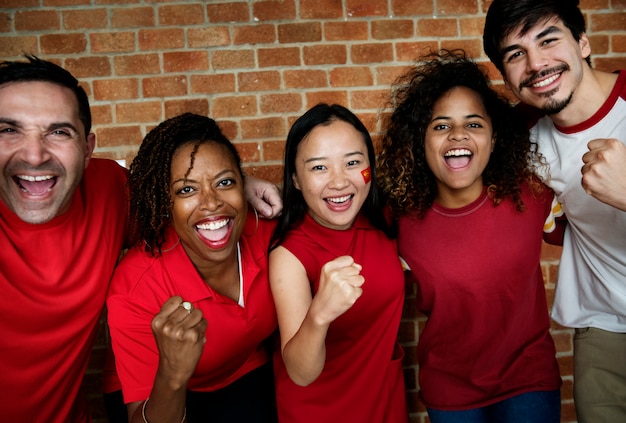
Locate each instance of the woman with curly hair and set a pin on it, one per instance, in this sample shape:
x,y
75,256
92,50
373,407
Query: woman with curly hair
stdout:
x,y
190,305
457,169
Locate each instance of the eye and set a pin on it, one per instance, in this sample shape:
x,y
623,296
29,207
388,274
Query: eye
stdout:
x,y
440,127
548,41
353,163
474,125
7,130
318,167
513,55
226,182
185,190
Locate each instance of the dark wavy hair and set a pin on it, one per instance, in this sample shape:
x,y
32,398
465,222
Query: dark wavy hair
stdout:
x,y
36,69
405,178
150,173
505,17
294,206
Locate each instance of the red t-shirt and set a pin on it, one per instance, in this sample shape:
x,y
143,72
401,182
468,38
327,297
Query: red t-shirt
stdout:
x,y
480,284
362,380
142,283
53,279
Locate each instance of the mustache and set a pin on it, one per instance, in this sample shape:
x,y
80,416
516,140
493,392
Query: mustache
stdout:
x,y
20,168
531,79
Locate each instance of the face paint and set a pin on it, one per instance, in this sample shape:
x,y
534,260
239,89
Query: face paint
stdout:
x,y
367,174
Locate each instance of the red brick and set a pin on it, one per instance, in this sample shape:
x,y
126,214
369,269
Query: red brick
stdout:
x,y
609,64
445,27
234,106
229,129
14,46
305,78
325,54
258,81
36,20
618,43
208,37
63,43
49,3
249,151
10,4
168,86
288,56
145,111
211,84
274,150
181,15
254,34
594,4
184,61
473,47
272,173
5,22
87,67
112,42
273,10
161,39
270,127
411,51
101,114
360,8
345,31
387,75
371,53
136,17
390,29
281,103
369,99
456,7
300,32
232,59
84,19
115,89
320,9
137,64
351,77
228,12
118,136
472,27
330,97
607,22
411,7
198,106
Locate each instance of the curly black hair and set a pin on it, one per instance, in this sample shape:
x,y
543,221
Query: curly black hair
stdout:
x,y
150,172
406,180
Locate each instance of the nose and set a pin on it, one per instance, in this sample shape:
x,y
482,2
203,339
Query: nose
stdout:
x,y
211,199
338,179
535,60
33,150
458,133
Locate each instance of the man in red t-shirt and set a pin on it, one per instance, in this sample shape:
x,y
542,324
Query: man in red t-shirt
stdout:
x,y
63,221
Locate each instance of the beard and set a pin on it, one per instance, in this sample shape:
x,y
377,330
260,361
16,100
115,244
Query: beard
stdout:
x,y
554,106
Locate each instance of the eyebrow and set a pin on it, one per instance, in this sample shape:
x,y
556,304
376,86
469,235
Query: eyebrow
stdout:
x,y
354,153
549,30
51,127
219,175
472,116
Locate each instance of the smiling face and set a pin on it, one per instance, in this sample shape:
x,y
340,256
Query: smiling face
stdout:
x,y
544,66
458,143
43,149
208,204
331,172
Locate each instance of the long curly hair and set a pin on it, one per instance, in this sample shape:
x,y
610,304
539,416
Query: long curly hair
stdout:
x,y
406,180
150,173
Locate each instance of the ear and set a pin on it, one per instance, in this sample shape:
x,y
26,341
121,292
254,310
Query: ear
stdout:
x,y
91,145
493,141
585,47
294,178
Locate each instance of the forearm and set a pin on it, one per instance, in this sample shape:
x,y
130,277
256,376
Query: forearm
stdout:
x,y
165,404
305,353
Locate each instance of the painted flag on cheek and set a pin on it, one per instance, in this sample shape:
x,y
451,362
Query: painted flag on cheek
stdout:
x,y
367,174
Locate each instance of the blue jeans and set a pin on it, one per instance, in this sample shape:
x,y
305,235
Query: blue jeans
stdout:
x,y
531,407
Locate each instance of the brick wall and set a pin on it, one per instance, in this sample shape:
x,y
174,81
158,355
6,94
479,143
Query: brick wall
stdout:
x,y
255,66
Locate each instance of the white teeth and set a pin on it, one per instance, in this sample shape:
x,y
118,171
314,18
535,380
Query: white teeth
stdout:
x,y
35,178
212,226
546,81
456,153
340,199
